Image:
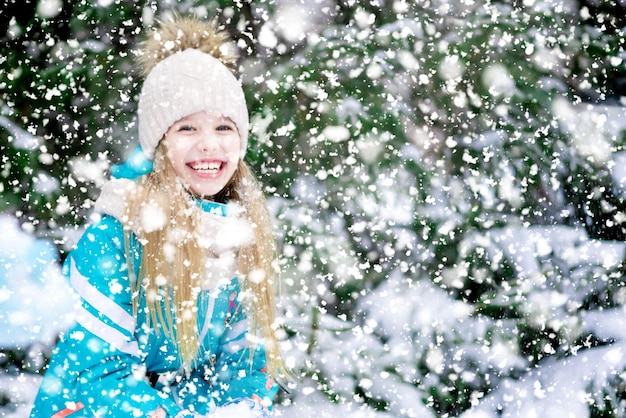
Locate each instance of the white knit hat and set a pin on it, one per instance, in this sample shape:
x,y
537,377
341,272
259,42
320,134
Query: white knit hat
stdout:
x,y
184,83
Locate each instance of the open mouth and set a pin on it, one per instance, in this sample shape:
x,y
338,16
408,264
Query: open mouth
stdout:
x,y
204,167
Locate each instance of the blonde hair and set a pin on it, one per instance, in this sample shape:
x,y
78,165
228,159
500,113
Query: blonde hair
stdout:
x,y
170,281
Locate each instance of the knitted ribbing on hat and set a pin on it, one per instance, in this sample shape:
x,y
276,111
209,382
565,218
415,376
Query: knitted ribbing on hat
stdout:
x,y
186,65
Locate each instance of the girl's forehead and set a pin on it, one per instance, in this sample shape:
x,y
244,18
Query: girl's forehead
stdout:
x,y
204,116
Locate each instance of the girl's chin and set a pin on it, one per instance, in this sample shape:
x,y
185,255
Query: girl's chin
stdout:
x,y
206,188
205,193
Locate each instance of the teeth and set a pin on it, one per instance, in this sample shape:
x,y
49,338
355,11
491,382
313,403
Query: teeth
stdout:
x,y
207,167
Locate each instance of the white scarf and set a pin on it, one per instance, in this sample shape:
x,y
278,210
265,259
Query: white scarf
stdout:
x,y
221,236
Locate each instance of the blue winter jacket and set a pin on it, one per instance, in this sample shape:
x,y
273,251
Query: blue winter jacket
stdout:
x,y
113,365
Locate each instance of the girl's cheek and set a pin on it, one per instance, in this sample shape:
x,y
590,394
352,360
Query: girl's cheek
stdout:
x,y
234,151
233,156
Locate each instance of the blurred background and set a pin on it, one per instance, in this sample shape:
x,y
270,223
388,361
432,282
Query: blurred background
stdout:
x,y
447,179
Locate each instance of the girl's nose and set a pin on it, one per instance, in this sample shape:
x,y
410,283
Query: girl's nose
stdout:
x,y
208,142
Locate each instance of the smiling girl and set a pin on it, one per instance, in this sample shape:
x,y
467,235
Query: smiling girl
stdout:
x,y
176,278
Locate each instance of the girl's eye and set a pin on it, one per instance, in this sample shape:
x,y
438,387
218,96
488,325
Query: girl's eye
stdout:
x,y
185,128
224,128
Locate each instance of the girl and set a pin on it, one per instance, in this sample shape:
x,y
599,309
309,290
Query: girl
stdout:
x,y
176,277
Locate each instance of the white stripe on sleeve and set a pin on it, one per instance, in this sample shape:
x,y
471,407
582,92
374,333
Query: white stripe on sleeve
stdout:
x,y
207,319
236,330
109,334
100,301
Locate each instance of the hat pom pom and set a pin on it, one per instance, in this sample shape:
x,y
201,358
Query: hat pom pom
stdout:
x,y
170,37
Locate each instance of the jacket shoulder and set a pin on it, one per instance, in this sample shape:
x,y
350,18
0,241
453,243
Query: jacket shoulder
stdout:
x,y
112,200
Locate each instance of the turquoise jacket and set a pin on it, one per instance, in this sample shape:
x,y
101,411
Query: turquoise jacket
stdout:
x,y
111,364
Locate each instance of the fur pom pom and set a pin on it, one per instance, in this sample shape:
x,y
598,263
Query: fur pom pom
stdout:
x,y
183,33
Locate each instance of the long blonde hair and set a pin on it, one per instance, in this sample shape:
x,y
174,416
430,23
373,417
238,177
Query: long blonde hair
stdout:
x,y
170,278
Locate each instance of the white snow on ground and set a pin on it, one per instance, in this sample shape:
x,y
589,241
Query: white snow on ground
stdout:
x,y
561,388
35,305
35,298
21,390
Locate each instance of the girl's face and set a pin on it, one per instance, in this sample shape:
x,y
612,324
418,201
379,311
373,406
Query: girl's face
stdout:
x,y
204,149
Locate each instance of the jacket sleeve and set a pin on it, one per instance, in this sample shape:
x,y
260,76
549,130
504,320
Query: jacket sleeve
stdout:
x,y
102,352
241,366
229,370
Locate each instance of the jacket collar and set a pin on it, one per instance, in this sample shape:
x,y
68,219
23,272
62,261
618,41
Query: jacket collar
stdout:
x,y
214,208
